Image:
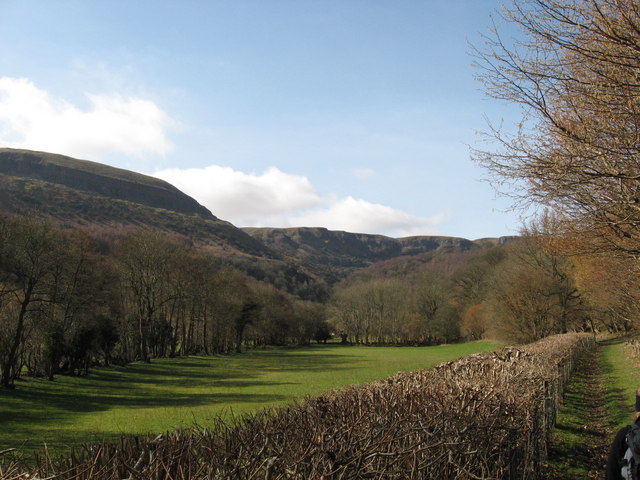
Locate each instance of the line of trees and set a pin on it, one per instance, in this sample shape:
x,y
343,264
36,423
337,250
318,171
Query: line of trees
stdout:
x,y
392,311
531,288
70,299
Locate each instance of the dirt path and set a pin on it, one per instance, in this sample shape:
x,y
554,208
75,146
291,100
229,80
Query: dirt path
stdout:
x,y
582,435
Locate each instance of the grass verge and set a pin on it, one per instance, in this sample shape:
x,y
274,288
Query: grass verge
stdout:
x,y
597,402
621,375
580,438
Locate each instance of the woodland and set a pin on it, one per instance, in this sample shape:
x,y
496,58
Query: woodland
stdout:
x,y
71,300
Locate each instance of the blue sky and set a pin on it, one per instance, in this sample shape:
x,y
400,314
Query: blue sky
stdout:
x,y
352,115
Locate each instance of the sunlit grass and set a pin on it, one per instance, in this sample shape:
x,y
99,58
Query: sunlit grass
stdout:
x,y
622,377
170,393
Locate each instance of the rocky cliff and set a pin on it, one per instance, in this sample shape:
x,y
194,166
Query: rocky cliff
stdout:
x,y
341,253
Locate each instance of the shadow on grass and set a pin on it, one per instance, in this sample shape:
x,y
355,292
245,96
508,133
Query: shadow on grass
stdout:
x,y
62,412
577,450
618,411
67,402
39,421
248,365
37,404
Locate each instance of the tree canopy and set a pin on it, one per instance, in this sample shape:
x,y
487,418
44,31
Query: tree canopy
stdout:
x,y
574,70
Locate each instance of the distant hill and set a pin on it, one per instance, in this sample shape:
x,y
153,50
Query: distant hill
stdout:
x,y
445,263
80,192
100,179
336,254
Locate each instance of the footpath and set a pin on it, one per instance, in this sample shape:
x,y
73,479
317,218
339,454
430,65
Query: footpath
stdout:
x,y
583,432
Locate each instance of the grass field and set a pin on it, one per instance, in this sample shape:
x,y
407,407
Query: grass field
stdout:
x,y
169,393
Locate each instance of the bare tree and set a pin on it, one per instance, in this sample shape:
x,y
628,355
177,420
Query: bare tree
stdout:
x,y
350,314
230,309
148,261
429,297
31,252
610,288
534,293
574,71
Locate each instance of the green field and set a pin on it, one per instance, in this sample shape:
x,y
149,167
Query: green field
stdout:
x,y
169,393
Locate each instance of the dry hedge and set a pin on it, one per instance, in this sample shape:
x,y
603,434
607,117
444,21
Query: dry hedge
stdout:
x,y
486,416
633,346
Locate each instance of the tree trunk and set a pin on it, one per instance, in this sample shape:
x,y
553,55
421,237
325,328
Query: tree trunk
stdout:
x,y
8,375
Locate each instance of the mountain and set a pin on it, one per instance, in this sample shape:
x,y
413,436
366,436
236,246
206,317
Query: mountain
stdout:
x,y
302,261
79,192
336,254
75,192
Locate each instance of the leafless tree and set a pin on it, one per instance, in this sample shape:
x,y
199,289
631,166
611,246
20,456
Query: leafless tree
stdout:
x,y
31,252
147,261
574,70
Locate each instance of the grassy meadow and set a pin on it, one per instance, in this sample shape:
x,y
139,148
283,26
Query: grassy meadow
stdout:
x,y
170,393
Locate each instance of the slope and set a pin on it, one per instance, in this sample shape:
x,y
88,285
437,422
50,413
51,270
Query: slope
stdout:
x,y
79,192
336,254
98,178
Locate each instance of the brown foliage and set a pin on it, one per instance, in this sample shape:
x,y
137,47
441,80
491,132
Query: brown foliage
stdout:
x,y
473,323
576,149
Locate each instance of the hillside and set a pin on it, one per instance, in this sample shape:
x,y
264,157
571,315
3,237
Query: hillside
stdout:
x,y
445,263
100,179
337,254
79,192
75,192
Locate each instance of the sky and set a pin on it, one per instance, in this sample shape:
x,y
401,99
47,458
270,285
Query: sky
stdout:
x,y
352,115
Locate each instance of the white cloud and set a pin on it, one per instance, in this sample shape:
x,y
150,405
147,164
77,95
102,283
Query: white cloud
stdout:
x,y
278,199
32,118
242,198
364,173
357,215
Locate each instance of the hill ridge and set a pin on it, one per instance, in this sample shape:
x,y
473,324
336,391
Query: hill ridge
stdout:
x,y
340,253
98,178
81,192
